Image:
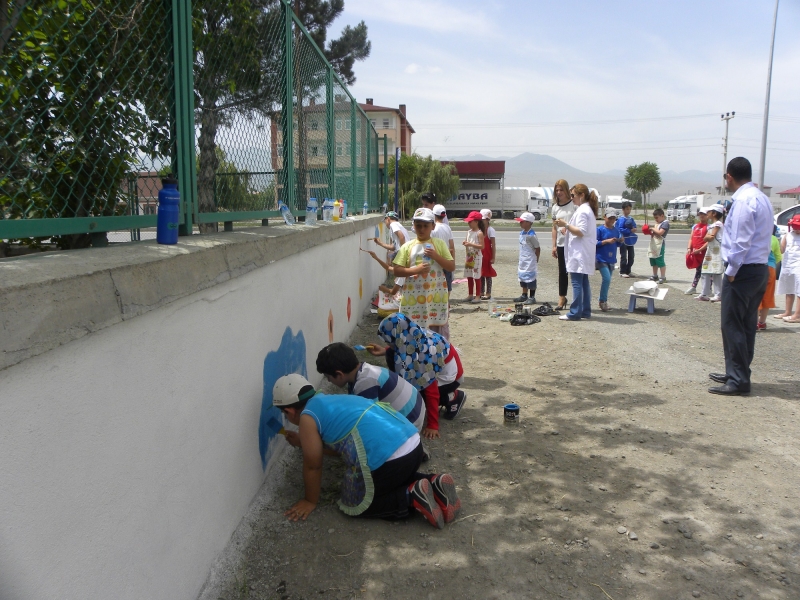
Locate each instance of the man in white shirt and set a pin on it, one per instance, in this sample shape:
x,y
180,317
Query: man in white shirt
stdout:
x,y
444,233
745,250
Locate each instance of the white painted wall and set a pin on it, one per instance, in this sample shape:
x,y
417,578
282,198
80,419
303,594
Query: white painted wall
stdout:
x,y
129,456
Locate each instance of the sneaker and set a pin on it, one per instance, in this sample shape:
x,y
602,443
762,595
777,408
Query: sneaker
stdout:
x,y
662,280
520,299
444,491
424,502
691,291
715,298
703,298
454,407
653,278
604,306
625,275
761,326
530,300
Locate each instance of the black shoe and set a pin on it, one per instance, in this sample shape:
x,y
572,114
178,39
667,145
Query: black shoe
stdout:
x,y
520,299
718,377
728,390
530,301
454,407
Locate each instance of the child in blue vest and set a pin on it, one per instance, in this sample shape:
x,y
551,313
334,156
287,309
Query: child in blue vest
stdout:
x,y
529,250
608,240
380,449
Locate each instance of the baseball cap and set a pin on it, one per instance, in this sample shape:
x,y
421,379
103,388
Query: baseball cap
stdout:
x,y
291,389
611,212
718,208
439,210
392,215
486,213
424,214
526,216
474,216
703,209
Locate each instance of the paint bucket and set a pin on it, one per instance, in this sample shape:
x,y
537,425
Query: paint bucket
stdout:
x,y
511,413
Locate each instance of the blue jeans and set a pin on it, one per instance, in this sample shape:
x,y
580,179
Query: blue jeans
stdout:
x,y
605,273
581,306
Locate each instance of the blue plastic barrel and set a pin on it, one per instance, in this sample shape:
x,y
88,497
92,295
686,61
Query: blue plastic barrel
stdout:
x,y
169,200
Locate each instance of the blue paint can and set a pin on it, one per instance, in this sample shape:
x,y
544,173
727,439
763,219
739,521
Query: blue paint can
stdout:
x,y
511,413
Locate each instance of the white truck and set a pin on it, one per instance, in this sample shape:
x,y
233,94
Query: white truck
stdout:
x,y
614,202
681,207
539,200
510,202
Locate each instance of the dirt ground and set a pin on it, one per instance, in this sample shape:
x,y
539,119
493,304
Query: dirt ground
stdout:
x,y
623,479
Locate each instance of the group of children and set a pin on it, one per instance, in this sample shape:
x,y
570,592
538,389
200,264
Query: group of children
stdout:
x,y
704,253
378,426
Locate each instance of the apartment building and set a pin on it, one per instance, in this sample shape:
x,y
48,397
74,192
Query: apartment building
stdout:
x,y
391,122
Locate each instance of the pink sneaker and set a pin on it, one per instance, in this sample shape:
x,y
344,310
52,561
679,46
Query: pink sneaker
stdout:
x,y
703,298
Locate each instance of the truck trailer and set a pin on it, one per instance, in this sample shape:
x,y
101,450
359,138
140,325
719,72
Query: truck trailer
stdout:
x,y
509,202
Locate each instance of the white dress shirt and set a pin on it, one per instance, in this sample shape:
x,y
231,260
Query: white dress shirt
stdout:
x,y
748,229
580,252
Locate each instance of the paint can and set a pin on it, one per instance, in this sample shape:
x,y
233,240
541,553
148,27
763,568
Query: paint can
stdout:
x,y
511,413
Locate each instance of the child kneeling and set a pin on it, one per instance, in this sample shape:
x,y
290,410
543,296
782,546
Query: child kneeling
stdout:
x,y
381,451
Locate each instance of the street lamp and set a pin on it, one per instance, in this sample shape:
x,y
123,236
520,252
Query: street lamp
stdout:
x,y
725,117
763,161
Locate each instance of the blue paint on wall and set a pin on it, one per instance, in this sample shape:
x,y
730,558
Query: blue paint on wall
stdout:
x,y
290,357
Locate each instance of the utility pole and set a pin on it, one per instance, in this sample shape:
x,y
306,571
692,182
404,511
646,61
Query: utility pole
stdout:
x,y
725,117
763,160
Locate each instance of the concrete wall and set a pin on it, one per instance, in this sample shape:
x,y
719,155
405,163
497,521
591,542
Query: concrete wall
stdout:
x,y
131,399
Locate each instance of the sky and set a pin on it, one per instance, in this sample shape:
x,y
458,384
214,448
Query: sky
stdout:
x,y
599,85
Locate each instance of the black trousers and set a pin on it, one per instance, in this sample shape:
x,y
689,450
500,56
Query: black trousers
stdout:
x,y
626,256
738,318
563,278
391,481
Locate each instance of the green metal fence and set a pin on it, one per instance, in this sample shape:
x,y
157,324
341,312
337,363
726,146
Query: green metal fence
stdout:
x,y
100,98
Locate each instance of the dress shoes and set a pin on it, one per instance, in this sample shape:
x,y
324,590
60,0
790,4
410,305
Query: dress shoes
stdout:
x,y
728,390
718,377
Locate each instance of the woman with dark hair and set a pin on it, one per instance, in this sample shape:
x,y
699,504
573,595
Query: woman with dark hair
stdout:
x,y
562,209
580,248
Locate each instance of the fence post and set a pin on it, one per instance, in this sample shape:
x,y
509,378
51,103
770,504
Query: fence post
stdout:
x,y
288,109
331,119
183,111
370,196
385,170
353,145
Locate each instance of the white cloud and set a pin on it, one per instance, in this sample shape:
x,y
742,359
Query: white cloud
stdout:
x,y
412,68
431,15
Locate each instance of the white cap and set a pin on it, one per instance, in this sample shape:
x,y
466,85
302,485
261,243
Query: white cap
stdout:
x,y
526,216
486,213
703,209
718,208
291,389
424,214
439,210
611,212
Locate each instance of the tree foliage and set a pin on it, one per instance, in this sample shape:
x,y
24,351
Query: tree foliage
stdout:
x,y
643,178
82,103
418,174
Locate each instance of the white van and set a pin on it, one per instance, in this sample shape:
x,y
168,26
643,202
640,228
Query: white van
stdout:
x,y
782,219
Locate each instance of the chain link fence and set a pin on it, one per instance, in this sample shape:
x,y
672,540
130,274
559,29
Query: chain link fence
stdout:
x,y
99,99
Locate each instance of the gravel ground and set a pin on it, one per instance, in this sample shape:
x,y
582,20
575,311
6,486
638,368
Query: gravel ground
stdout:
x,y
624,478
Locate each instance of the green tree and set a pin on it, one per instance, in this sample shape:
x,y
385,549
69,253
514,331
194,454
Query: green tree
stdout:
x,y
82,102
418,174
643,178
634,196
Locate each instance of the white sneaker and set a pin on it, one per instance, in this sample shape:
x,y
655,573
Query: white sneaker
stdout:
x,y
715,298
690,291
625,275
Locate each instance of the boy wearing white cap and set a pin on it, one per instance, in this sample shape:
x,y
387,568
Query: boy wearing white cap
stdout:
x,y
529,250
423,262
380,449
489,252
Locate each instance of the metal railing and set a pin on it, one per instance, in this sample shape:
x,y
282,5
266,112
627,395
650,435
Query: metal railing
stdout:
x,y
100,98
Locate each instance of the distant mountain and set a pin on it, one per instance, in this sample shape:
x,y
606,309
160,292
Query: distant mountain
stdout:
x,y
534,169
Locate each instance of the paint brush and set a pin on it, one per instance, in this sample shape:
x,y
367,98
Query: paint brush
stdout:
x,y
275,425
362,348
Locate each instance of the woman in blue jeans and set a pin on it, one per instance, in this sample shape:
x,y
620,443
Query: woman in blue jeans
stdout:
x,y
609,239
579,250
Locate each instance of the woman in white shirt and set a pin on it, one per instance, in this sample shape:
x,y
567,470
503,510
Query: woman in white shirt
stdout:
x,y
580,245
562,209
